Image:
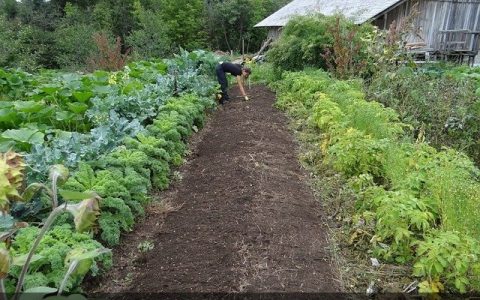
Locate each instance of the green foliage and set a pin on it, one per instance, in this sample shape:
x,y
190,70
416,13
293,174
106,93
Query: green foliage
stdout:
x,y
354,153
441,107
50,269
302,43
158,156
451,257
401,220
321,42
412,198
229,22
263,73
59,33
183,22
77,45
107,145
451,180
151,40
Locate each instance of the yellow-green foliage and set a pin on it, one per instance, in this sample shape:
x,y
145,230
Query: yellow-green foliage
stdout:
x,y
451,256
413,199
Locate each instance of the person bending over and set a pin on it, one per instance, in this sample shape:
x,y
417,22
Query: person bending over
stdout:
x,y
241,73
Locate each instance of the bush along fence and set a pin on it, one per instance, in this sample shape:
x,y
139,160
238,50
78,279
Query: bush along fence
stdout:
x,y
415,205
119,133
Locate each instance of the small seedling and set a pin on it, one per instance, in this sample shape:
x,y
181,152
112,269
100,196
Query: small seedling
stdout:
x,y
145,246
177,176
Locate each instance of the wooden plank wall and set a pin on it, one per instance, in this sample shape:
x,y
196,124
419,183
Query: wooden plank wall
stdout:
x,y
435,16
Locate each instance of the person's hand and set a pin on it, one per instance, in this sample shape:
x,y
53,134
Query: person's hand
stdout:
x,y
246,98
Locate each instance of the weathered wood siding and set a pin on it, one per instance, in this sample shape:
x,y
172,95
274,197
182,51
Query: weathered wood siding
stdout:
x,y
435,16
274,32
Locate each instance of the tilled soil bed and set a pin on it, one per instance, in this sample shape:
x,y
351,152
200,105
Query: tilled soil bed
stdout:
x,y
241,219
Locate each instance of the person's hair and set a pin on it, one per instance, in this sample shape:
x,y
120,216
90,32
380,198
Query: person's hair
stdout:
x,y
247,70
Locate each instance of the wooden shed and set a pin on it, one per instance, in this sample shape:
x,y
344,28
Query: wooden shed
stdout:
x,y
445,27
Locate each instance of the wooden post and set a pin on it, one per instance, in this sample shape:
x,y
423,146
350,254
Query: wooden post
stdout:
x,y
243,49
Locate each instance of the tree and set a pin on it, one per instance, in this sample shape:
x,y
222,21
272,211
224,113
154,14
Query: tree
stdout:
x,y
151,40
230,22
122,17
9,7
184,22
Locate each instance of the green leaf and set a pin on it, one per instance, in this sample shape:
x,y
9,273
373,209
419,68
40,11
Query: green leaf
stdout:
x,y
460,285
31,191
37,293
442,261
64,115
438,267
78,255
41,289
419,270
49,89
24,135
14,80
6,145
78,108
29,106
102,89
21,259
5,262
83,96
75,196
6,222
7,115
84,213
131,87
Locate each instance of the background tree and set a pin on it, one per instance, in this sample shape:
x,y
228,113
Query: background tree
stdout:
x,y
59,33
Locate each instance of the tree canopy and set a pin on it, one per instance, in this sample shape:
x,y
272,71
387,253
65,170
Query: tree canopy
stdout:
x,y
59,33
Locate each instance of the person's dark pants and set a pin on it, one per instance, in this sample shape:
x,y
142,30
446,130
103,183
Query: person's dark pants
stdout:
x,y
222,79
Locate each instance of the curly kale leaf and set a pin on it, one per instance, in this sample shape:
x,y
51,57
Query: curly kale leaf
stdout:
x,y
102,182
53,249
116,219
124,158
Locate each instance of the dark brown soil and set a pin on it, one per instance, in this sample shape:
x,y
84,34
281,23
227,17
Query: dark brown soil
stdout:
x,y
242,218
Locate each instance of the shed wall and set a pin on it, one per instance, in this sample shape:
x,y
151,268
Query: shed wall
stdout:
x,y
435,16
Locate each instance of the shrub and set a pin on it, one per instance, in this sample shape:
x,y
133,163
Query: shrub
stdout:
x,y
321,42
76,45
151,39
302,43
444,110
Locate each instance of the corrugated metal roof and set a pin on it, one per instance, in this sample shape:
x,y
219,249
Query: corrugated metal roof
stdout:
x,y
359,10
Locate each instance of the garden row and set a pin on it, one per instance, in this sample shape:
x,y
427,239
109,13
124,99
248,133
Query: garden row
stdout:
x,y
415,205
132,130
440,101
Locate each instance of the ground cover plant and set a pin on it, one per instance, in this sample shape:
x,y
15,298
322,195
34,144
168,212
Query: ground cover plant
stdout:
x,y
119,133
413,205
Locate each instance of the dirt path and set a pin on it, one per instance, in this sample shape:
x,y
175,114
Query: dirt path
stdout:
x,y
244,218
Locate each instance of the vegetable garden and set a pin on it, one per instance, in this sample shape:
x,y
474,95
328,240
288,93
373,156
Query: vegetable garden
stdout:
x,y
118,133
83,153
